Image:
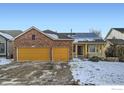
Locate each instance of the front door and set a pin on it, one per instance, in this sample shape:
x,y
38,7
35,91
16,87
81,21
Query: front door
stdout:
x,y
80,50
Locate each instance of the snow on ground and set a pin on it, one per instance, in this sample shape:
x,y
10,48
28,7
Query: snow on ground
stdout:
x,y
4,61
98,73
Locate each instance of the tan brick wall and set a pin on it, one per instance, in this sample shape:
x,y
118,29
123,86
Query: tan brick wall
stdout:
x,y
41,41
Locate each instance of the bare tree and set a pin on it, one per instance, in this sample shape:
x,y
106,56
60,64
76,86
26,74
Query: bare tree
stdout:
x,y
97,32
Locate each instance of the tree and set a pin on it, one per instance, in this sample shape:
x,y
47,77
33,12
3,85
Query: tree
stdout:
x,y
97,32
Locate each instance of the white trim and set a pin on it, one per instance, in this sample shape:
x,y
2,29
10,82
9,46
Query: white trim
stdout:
x,y
89,47
17,54
33,27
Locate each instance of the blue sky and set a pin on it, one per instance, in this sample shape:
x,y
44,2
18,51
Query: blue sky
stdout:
x,y
62,17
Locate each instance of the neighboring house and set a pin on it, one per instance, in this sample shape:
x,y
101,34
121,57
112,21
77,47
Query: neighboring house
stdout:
x,y
115,37
36,45
13,33
115,33
87,44
6,46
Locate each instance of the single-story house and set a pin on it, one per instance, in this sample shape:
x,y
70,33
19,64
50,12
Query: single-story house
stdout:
x,y
87,45
36,45
6,39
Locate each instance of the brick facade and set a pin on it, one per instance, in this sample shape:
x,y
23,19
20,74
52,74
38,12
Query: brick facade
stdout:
x,y
41,40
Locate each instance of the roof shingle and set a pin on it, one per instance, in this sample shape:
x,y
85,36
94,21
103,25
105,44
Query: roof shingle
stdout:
x,y
61,36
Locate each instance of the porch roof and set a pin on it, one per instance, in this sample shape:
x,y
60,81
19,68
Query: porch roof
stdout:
x,y
90,42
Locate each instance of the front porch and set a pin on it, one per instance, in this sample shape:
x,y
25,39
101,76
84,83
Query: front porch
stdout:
x,y
86,50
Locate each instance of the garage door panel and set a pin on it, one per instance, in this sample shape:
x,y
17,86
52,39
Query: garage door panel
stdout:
x,y
33,54
60,54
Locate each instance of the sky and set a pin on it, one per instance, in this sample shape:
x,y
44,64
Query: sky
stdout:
x,y
62,17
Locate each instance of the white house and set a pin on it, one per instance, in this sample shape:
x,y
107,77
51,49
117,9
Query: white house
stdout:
x,y
115,33
115,37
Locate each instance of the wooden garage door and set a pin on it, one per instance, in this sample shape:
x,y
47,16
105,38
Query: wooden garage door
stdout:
x,y
60,54
33,54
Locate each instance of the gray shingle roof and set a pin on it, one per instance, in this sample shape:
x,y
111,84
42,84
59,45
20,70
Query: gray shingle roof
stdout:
x,y
119,29
61,36
82,35
13,33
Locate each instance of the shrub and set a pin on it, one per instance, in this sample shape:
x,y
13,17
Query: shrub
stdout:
x,y
94,59
111,51
114,51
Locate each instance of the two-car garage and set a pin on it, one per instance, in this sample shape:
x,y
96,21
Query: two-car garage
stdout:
x,y
43,54
33,54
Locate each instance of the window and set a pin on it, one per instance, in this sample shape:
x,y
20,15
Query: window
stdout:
x,y
33,37
80,50
92,48
2,48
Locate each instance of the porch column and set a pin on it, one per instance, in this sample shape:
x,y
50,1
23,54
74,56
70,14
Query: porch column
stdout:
x,y
76,51
99,51
83,46
103,54
86,50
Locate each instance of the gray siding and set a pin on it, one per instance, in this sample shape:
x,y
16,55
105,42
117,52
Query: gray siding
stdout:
x,y
9,50
3,40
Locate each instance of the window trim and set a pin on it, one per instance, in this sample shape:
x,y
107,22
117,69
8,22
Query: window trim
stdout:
x,y
3,48
89,48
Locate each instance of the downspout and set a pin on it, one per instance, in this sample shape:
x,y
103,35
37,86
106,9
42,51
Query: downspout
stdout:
x,y
6,48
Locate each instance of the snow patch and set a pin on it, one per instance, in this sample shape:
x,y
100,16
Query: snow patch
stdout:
x,y
4,61
76,60
84,39
98,73
53,36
